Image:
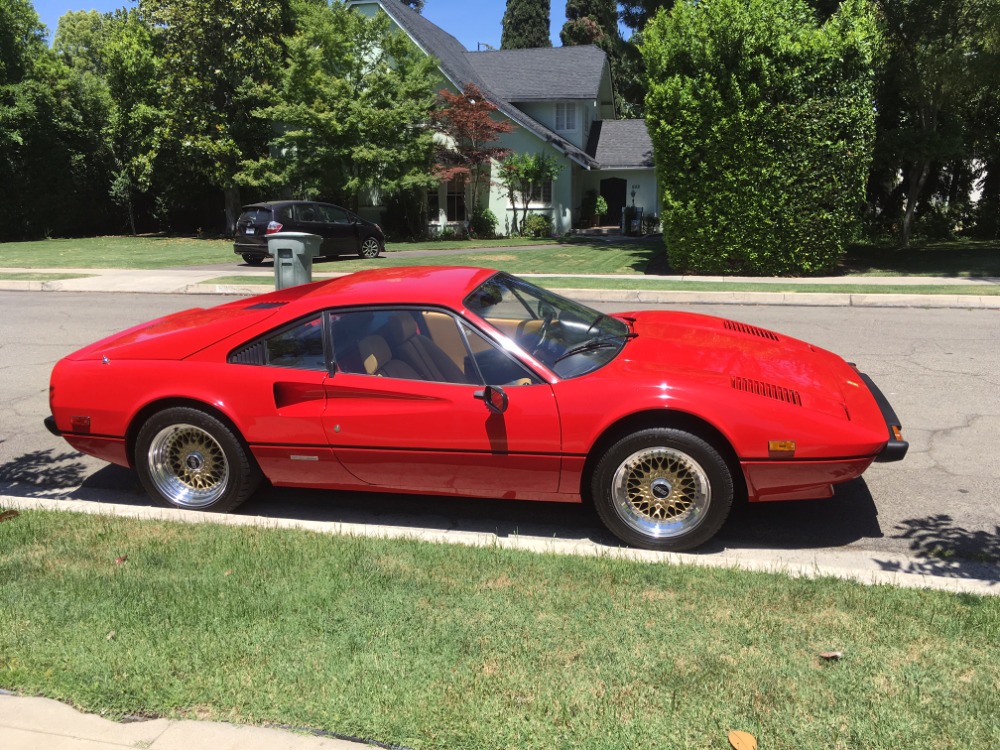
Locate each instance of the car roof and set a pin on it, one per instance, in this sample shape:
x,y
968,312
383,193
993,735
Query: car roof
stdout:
x,y
272,204
447,286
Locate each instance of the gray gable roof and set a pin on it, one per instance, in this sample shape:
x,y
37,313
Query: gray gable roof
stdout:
x,y
456,65
541,74
620,144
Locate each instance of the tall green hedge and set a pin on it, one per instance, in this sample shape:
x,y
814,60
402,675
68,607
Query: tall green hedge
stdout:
x,y
762,123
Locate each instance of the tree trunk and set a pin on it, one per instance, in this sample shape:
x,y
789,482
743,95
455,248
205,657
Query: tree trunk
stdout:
x,y
233,205
917,178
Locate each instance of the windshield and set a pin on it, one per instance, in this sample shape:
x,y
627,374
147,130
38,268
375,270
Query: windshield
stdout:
x,y
569,338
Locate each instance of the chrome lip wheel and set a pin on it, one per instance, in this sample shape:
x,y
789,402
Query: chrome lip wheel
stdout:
x,y
188,466
369,248
661,492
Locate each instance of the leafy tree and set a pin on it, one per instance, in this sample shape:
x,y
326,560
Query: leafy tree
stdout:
x,y
215,55
637,13
526,24
350,110
132,69
80,38
522,175
933,70
596,19
762,124
22,40
467,119
52,154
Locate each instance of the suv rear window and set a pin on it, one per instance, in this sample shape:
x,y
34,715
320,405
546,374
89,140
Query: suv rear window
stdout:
x,y
256,215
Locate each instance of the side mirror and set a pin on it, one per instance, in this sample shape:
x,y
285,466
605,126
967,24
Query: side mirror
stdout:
x,y
494,397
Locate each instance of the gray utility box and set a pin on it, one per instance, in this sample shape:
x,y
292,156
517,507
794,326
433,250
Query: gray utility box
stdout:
x,y
293,254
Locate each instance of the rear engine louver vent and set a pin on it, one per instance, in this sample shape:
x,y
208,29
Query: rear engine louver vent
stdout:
x,y
763,333
254,354
767,390
265,305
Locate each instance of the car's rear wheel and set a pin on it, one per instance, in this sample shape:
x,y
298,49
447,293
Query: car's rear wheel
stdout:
x,y
187,458
252,260
370,248
662,489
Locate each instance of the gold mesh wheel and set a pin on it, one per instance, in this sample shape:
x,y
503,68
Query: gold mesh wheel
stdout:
x,y
188,466
661,492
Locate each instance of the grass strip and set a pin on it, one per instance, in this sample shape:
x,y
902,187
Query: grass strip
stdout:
x,y
27,276
440,646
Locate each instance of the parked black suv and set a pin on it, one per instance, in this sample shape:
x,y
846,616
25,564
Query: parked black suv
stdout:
x,y
341,230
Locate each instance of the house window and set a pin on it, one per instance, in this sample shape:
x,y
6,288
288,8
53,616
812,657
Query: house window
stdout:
x,y
456,199
542,193
565,117
434,205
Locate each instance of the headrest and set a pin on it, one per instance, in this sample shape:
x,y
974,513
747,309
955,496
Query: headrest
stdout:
x,y
400,328
374,353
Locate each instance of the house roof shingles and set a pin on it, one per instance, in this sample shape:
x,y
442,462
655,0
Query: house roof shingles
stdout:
x,y
621,144
543,74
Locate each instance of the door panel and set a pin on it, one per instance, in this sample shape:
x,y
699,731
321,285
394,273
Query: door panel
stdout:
x,y
437,437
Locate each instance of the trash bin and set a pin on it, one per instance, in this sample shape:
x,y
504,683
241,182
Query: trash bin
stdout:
x,y
293,253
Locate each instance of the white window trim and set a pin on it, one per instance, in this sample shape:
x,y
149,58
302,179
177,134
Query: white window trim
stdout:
x,y
569,116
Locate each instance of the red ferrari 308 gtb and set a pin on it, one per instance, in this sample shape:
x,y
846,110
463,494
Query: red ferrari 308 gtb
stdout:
x,y
466,381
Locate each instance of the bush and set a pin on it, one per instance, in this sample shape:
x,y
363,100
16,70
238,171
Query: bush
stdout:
x,y
537,225
405,215
766,121
483,224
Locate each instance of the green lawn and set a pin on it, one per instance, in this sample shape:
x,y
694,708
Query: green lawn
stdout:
x,y
964,258
168,252
28,276
439,646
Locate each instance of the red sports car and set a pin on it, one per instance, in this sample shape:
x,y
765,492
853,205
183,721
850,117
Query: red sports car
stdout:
x,y
471,382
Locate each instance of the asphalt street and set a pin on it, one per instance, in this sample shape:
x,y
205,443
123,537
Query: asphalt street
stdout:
x,y
939,367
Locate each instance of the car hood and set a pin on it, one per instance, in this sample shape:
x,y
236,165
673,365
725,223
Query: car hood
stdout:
x,y
180,335
735,355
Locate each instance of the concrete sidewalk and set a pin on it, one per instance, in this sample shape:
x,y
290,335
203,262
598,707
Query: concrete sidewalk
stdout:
x,y
197,281
43,724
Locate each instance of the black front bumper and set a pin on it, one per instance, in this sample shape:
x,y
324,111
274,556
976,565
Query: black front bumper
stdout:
x,y
895,449
50,425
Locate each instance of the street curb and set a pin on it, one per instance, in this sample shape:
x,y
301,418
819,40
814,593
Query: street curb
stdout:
x,y
869,568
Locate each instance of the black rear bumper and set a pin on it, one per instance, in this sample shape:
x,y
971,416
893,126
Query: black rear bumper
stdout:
x,y
50,425
895,449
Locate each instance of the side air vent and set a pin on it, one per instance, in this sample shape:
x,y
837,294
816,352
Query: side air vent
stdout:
x,y
767,390
252,354
266,305
763,333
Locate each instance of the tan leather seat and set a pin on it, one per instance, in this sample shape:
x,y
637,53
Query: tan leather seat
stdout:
x,y
420,352
376,358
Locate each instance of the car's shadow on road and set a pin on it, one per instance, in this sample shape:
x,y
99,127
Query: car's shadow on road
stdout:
x,y
848,517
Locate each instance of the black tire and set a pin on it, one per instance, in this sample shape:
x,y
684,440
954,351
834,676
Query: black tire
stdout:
x,y
186,458
662,489
253,260
370,247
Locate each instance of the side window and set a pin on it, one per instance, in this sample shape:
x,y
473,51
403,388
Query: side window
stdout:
x,y
408,344
306,212
496,366
332,215
299,347
284,214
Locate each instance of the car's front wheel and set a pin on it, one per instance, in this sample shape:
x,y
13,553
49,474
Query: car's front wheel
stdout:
x,y
187,458
370,248
662,489
252,260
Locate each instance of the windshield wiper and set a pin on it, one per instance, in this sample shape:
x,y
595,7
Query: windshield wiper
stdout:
x,y
589,346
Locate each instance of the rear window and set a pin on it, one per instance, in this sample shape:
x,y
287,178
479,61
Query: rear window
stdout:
x,y
256,215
